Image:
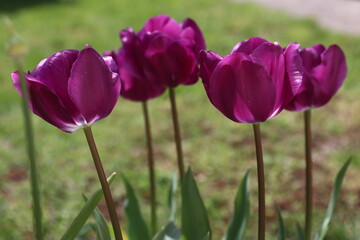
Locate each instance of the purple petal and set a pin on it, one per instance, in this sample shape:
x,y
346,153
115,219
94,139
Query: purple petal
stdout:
x,y
93,88
46,105
311,57
198,37
164,24
242,90
173,63
248,46
208,60
294,71
329,75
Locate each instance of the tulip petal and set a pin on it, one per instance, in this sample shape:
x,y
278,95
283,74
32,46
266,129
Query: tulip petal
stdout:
x,y
248,46
208,61
199,39
93,88
242,90
46,105
329,75
294,71
172,62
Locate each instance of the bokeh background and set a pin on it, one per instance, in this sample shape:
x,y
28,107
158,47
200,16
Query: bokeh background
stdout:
x,y
218,150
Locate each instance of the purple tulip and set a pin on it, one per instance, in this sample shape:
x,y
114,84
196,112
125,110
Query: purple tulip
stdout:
x,y
254,82
324,73
163,54
72,89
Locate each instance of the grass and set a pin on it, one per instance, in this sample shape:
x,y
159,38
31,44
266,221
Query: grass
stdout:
x,y
218,150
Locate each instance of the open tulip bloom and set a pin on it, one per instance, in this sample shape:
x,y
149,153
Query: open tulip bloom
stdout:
x,y
72,89
250,85
324,71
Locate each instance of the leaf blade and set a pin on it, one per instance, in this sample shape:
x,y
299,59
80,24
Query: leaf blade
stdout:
x,y
237,227
194,220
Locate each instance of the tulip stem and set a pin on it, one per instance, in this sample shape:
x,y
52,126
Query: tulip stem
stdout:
x,y
151,168
308,171
37,213
261,181
177,133
104,184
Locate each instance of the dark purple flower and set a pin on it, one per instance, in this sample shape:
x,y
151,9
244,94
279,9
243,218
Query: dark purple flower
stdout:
x,y
254,82
72,89
324,73
163,54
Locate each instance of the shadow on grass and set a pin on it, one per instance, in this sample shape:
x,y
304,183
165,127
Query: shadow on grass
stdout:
x,y
7,6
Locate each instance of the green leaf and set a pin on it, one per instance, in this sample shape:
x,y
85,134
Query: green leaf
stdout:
x,y
172,198
194,219
85,212
102,229
137,226
334,194
300,235
85,230
281,235
237,227
169,231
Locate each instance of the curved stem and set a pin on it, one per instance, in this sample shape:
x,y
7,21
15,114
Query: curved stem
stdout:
x,y
37,213
308,172
104,184
261,181
151,168
177,133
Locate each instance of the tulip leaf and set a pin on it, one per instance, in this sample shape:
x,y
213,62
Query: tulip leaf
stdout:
x,y
84,231
101,227
281,235
237,227
137,226
172,197
194,220
334,194
85,212
169,231
300,235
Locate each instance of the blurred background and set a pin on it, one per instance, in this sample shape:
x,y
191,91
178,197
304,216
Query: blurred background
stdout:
x,y
218,150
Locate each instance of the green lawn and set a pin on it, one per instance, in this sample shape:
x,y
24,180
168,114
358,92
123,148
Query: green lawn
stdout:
x,y
218,150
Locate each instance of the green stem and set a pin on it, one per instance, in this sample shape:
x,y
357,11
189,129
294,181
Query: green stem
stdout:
x,y
308,179
37,213
261,181
104,184
177,133
151,168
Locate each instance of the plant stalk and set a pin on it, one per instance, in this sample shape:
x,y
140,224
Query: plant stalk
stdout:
x,y
261,182
30,146
151,166
104,184
308,173
177,133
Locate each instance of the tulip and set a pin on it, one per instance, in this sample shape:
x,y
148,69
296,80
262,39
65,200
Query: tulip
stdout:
x,y
250,85
254,82
324,71
72,89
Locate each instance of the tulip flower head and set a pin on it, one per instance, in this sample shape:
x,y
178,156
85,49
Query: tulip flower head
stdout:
x,y
324,73
72,89
254,82
162,54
